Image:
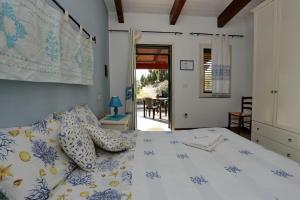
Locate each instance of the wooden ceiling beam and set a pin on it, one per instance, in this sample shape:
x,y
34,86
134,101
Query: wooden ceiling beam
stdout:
x,y
119,9
176,10
234,8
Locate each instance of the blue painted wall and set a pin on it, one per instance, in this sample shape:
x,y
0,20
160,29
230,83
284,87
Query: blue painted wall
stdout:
x,y
22,103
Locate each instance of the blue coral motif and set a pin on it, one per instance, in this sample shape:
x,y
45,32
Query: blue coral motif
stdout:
x,y
147,140
130,157
152,175
40,191
245,152
80,178
182,156
233,169
8,12
199,180
174,142
5,146
70,168
109,194
53,47
47,154
78,56
149,153
282,173
41,126
127,177
108,165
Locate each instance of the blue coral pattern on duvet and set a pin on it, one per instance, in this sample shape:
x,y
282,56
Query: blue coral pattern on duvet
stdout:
x,y
6,144
112,180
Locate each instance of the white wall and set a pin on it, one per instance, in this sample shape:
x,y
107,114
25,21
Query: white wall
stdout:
x,y
203,112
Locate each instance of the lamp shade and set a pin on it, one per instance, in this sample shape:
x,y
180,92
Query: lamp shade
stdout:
x,y
115,102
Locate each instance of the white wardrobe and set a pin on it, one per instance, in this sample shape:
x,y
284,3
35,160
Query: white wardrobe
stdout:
x,y
276,80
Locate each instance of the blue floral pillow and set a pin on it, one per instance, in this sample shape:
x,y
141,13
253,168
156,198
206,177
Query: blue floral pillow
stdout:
x,y
32,162
76,142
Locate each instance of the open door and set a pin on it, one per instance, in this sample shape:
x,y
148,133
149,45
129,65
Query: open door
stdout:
x,y
153,96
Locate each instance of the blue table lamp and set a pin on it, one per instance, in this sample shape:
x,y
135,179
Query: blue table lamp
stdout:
x,y
115,103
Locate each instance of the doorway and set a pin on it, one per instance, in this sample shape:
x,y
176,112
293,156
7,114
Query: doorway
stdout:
x,y
153,87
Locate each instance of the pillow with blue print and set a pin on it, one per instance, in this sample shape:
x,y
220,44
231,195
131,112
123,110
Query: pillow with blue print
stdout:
x,y
76,143
109,140
86,115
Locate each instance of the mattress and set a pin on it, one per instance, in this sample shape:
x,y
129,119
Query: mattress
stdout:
x,y
161,167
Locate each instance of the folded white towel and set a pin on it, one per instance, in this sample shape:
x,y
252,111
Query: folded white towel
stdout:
x,y
206,141
206,148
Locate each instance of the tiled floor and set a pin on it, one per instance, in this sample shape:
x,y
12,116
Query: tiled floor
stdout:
x,y
148,124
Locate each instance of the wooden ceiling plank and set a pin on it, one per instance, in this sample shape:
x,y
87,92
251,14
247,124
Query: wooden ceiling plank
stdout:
x,y
176,10
234,8
119,9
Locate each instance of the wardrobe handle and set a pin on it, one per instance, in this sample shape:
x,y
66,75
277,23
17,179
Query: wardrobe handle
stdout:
x,y
275,91
288,155
290,140
257,129
257,141
272,91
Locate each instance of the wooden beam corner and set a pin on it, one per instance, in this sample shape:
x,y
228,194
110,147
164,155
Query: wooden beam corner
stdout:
x,y
176,10
234,8
119,9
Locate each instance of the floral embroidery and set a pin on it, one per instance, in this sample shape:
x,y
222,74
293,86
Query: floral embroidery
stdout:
x,y
282,173
147,140
52,48
182,156
152,175
80,178
47,154
5,146
12,36
127,177
200,180
149,153
233,169
109,194
40,191
41,126
245,152
130,157
108,165
174,142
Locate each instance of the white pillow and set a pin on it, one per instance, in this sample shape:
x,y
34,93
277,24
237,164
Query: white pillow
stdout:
x,y
108,140
76,142
30,158
86,116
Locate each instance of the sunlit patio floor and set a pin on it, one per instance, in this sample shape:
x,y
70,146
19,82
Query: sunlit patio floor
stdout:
x,y
148,124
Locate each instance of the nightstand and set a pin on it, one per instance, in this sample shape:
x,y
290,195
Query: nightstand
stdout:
x,y
119,123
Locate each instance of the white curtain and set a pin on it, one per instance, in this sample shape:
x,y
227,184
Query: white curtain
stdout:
x,y
221,66
134,37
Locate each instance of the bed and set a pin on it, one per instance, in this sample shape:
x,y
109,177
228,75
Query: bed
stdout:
x,y
161,167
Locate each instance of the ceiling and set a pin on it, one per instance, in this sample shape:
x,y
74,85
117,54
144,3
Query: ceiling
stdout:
x,y
208,8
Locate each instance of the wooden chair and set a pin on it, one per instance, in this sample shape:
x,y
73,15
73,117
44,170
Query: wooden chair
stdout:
x,y
149,105
242,119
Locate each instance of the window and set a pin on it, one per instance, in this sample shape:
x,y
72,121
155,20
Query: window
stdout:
x,y
205,71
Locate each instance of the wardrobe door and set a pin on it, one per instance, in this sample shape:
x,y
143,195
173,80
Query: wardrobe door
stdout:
x,y
264,63
288,97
